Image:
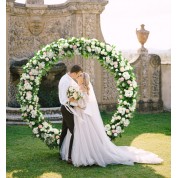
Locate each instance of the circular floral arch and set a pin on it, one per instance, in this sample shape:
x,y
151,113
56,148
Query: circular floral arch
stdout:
x,y
48,56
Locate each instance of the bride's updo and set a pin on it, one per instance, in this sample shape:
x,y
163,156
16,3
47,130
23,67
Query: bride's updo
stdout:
x,y
86,81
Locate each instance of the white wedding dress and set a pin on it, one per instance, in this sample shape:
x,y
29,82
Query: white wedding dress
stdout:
x,y
91,145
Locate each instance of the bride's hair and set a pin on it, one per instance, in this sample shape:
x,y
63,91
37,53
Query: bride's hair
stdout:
x,y
86,81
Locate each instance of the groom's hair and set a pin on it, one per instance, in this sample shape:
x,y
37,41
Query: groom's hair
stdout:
x,y
76,69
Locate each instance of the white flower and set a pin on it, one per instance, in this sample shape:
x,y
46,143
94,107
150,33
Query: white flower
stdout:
x,y
118,117
29,95
34,62
88,49
130,88
98,50
107,127
33,113
25,76
35,130
134,84
108,48
32,77
66,45
50,54
34,72
122,63
126,75
37,81
45,124
27,86
113,126
41,65
115,64
115,134
108,59
31,107
121,110
56,131
36,98
118,129
122,69
132,108
126,122
128,93
123,120
109,133
102,44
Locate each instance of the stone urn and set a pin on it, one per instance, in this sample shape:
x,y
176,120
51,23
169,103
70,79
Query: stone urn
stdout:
x,y
142,36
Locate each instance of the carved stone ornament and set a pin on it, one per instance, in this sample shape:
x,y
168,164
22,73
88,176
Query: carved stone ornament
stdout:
x,y
36,25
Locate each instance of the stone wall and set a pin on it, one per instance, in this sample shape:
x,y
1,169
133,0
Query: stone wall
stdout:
x,y
166,86
165,56
33,25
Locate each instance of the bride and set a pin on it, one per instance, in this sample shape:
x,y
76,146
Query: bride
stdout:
x,y
91,145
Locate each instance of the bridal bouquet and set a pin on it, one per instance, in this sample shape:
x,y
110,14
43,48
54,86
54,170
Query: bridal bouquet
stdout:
x,y
72,92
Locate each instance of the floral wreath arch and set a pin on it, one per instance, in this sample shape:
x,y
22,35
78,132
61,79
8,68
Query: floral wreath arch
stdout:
x,y
48,56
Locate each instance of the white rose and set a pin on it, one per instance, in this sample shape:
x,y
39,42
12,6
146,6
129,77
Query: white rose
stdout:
x,y
134,84
107,127
33,113
41,65
118,118
102,44
118,129
126,75
122,63
35,130
27,86
126,122
109,133
115,134
121,110
32,77
35,62
108,48
108,59
113,126
29,96
34,72
66,45
31,107
88,49
128,93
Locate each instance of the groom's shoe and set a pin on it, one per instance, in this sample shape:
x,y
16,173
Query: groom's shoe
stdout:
x,y
69,161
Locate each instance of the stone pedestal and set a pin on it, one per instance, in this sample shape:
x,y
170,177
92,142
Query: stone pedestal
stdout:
x,y
148,74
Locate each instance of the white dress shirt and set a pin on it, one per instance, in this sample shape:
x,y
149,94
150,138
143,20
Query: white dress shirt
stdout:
x,y
65,82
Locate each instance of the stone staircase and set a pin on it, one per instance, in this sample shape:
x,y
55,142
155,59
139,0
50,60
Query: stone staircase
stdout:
x,y
13,115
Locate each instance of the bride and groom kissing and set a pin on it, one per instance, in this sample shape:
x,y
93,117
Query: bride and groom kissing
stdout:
x,y
83,140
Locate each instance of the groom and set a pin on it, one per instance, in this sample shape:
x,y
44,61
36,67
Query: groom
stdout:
x,y
68,118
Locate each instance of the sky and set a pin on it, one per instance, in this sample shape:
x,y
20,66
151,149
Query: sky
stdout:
x,y
120,19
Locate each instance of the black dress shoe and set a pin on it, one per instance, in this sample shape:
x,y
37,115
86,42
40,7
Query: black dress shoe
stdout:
x,y
69,161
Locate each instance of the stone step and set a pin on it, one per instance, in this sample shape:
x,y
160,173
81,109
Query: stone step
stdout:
x,y
13,115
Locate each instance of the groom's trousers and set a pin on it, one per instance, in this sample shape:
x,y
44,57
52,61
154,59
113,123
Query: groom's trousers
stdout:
x,y
67,123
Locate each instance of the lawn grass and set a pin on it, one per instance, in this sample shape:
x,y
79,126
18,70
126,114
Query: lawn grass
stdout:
x,y
29,157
